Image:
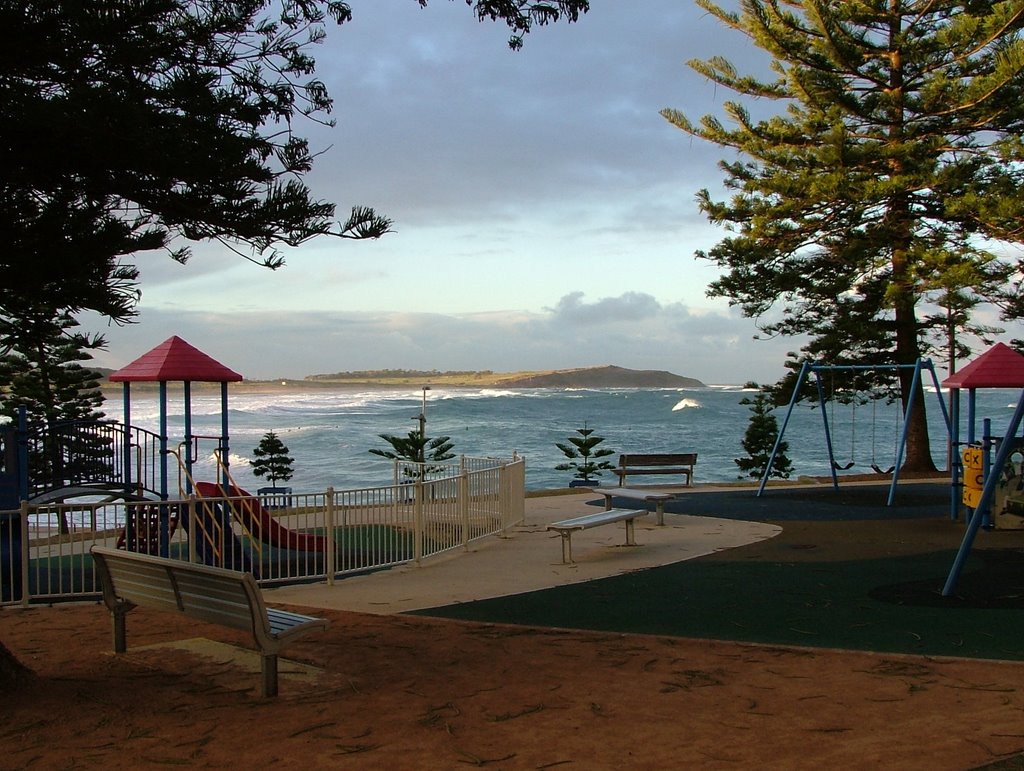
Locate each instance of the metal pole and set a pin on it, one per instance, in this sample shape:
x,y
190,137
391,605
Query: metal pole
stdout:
x,y
189,457
785,422
126,450
828,429
225,450
906,430
954,457
423,433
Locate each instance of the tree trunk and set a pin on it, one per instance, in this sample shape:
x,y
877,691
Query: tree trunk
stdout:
x,y
918,450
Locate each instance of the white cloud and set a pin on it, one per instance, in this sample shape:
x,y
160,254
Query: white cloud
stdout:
x,y
544,211
631,330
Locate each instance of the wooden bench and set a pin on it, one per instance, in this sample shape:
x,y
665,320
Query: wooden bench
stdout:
x,y
567,527
658,499
210,594
659,463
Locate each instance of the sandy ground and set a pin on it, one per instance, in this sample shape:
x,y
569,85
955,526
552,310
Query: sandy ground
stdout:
x,y
404,692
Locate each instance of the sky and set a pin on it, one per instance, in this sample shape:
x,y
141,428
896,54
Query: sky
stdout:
x,y
545,213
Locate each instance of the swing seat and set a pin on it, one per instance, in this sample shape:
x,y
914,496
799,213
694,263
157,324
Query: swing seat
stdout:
x,y
840,467
878,470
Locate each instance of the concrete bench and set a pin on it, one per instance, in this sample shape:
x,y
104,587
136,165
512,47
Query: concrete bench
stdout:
x,y
209,594
658,463
567,527
658,499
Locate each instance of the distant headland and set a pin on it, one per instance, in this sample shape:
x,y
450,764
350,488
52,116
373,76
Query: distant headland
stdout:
x,y
586,377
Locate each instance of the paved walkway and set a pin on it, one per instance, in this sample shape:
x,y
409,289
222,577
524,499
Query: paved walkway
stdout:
x,y
528,558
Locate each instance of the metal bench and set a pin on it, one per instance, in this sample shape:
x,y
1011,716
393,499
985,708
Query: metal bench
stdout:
x,y
658,463
210,594
658,499
567,527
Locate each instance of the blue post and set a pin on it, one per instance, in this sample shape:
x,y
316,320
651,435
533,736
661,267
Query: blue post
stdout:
x,y
126,451
225,450
163,440
785,422
906,430
986,498
955,462
189,460
165,528
987,440
828,430
129,523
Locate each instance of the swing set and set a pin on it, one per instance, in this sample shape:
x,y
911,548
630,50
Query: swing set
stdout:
x,y
853,434
809,368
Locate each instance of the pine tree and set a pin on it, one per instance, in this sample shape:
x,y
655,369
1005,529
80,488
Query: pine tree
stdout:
x,y
271,460
41,371
417,448
155,124
584,454
888,177
758,441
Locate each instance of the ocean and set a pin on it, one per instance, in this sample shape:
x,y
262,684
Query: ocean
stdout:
x,y
329,432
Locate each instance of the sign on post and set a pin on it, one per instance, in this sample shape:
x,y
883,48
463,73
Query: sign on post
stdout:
x,y
974,475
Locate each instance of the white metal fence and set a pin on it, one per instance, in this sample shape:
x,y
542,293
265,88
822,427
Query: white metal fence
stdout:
x,y
280,538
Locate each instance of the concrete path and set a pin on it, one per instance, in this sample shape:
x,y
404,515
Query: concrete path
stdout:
x,y
528,558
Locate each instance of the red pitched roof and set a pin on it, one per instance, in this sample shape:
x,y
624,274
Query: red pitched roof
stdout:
x,y
999,367
174,360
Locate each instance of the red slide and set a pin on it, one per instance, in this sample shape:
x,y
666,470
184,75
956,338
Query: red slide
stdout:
x,y
255,518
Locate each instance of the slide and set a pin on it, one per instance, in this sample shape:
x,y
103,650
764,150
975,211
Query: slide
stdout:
x,y
258,521
234,556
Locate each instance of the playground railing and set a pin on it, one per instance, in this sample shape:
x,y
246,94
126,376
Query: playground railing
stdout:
x,y
44,549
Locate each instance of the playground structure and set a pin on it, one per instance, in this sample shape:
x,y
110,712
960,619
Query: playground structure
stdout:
x,y
123,498
810,368
989,483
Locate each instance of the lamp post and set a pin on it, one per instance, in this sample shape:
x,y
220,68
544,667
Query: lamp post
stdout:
x,y
423,433
423,416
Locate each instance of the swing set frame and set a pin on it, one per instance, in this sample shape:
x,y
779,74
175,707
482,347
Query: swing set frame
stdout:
x,y
808,368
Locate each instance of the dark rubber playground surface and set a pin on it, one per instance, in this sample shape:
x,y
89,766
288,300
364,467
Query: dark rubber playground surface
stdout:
x,y
819,503
846,572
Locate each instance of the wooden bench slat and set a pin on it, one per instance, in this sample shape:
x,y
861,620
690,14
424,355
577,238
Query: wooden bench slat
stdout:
x,y
631,464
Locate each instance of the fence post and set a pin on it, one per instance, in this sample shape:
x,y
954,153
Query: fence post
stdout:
x,y
417,525
329,560
24,507
463,498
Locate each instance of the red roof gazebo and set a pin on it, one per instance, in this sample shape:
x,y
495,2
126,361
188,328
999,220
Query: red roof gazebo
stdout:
x,y
178,361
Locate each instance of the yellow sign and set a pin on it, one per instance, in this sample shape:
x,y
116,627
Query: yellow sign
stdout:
x,y
974,458
974,477
972,497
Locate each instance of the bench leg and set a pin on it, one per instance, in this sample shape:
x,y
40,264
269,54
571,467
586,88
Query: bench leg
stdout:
x,y
659,508
566,546
117,616
269,667
630,537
